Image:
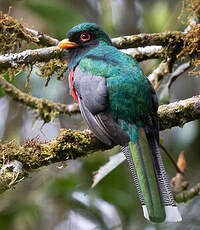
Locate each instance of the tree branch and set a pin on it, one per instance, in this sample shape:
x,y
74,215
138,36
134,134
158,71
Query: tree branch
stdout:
x,y
159,73
14,60
188,194
179,113
29,57
13,32
145,53
179,184
142,40
173,114
17,160
174,44
45,109
178,72
43,39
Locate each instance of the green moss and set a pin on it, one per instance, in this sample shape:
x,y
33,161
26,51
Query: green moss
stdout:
x,y
184,196
179,113
12,33
7,180
191,47
51,67
34,154
72,141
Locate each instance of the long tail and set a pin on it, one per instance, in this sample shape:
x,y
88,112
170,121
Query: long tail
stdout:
x,y
151,181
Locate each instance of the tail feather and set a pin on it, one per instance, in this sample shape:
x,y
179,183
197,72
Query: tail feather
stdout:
x,y
125,150
145,170
150,178
172,213
160,172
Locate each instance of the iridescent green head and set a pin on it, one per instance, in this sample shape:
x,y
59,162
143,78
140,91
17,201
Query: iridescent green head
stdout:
x,y
85,35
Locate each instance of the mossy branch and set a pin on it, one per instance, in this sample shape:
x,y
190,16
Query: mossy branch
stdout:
x,y
12,32
186,195
43,39
13,60
173,114
17,160
33,154
142,40
44,109
179,113
30,57
171,45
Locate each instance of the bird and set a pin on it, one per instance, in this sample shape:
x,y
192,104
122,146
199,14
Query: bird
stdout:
x,y
119,105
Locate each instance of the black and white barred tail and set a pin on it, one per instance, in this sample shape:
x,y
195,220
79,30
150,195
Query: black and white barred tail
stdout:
x,y
171,211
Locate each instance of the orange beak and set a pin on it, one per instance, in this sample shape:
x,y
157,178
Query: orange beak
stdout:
x,y
66,43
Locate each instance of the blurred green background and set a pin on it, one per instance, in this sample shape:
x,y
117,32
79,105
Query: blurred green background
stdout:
x,y
56,197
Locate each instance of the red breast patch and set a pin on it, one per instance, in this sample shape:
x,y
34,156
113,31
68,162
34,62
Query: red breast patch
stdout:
x,y
71,76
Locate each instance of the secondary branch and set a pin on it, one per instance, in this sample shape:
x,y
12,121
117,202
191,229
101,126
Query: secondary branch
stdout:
x,y
173,114
45,109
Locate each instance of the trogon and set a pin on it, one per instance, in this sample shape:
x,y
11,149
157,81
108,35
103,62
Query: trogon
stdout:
x,y
119,105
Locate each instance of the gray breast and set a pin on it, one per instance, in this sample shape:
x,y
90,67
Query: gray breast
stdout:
x,y
92,90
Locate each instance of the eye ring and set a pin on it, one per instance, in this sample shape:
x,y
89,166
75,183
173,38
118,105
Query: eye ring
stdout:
x,y
85,37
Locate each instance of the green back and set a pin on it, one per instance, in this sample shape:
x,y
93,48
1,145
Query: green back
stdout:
x,y
129,91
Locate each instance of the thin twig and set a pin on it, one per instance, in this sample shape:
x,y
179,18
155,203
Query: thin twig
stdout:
x,y
171,159
180,70
159,73
44,39
47,81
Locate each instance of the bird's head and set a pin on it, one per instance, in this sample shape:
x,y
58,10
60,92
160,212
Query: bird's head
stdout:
x,y
84,37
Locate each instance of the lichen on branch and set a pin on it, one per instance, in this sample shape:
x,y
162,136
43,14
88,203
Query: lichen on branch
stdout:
x,y
173,114
186,195
180,112
174,44
44,109
28,57
142,40
12,33
33,154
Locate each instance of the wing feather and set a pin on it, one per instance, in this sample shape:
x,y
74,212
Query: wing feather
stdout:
x,y
94,124
94,105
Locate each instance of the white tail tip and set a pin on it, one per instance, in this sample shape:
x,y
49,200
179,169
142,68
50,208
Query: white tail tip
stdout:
x,y
172,213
